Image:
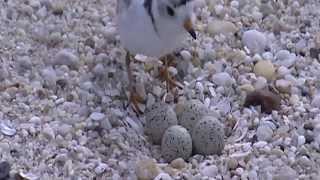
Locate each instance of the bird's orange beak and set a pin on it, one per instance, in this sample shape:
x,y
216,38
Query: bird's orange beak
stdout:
x,y
189,27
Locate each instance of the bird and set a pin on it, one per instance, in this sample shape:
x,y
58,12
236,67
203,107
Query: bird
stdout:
x,y
155,28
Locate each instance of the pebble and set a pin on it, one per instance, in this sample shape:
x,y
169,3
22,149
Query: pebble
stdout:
x,y
285,58
50,76
264,132
163,176
101,168
283,71
221,27
222,79
97,116
4,170
7,129
66,57
232,163
264,68
147,169
255,41
316,101
260,83
48,132
283,85
285,173
178,163
209,171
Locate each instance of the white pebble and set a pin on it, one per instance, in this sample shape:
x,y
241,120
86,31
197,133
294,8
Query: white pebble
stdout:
x,y
209,171
96,116
261,83
66,57
163,176
48,132
255,41
285,58
102,167
283,85
316,101
301,140
219,9
222,79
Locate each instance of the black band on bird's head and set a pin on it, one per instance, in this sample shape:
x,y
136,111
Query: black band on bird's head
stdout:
x,y
182,3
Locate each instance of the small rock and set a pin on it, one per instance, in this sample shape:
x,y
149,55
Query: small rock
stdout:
x,y
265,69
282,71
163,176
316,101
222,79
48,132
264,98
4,170
96,116
285,58
283,85
178,163
209,171
221,27
285,173
301,140
264,133
261,83
255,41
314,53
147,169
58,7
232,163
247,88
66,57
7,129
102,167
90,43
50,76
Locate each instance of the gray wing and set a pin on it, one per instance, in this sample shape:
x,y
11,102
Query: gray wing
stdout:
x,y
123,4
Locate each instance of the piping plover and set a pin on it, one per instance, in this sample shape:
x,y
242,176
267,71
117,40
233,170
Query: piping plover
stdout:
x,y
153,28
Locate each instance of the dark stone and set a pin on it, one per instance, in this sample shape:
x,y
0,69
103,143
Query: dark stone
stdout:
x,y
4,170
314,53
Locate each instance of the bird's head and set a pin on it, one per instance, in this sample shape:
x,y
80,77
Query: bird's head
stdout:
x,y
178,13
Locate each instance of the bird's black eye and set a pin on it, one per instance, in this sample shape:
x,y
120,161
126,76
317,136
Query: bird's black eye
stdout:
x,y
170,11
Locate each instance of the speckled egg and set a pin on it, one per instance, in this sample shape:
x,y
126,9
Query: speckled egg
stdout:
x,y
190,112
208,136
159,117
176,143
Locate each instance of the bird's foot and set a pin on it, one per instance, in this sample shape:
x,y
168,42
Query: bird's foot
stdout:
x,y
135,99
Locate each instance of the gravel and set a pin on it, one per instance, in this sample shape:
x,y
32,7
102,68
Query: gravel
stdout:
x,y
63,94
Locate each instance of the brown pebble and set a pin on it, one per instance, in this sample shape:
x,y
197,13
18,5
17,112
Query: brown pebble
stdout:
x,y
266,99
314,53
90,42
308,126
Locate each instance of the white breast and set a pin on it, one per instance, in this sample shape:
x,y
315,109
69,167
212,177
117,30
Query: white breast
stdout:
x,y
138,35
